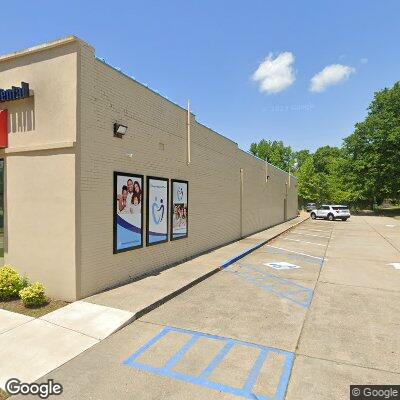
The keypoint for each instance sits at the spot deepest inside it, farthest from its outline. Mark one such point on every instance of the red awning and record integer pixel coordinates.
(3, 129)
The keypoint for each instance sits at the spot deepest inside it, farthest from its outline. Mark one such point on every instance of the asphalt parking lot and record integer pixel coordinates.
(303, 317)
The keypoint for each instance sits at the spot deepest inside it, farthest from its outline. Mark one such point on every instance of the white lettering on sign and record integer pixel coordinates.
(281, 265)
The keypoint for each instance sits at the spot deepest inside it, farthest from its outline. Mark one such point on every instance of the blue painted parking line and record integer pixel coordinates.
(203, 379)
(217, 360)
(244, 253)
(297, 294)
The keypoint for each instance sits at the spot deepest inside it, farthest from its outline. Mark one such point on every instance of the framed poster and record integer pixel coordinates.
(179, 209)
(157, 210)
(128, 211)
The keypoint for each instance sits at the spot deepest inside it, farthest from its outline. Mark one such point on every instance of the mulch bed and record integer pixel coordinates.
(17, 306)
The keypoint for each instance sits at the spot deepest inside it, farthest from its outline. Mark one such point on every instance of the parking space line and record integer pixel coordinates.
(283, 383)
(273, 284)
(148, 345)
(246, 391)
(217, 360)
(255, 371)
(180, 354)
(309, 234)
(304, 241)
(296, 252)
(294, 256)
(314, 230)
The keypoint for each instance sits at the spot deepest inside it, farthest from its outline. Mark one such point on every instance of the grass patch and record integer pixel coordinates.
(17, 306)
(393, 212)
(3, 394)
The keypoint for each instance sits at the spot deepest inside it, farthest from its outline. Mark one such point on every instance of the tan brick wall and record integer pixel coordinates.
(60, 164)
(40, 219)
(49, 116)
(40, 167)
(107, 96)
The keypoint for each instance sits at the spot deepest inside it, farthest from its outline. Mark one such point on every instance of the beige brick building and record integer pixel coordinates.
(62, 154)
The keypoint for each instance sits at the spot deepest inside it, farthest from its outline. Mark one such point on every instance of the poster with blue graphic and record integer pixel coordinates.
(128, 211)
(179, 209)
(157, 210)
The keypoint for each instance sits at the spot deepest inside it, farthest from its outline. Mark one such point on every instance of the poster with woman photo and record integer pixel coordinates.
(179, 209)
(157, 210)
(128, 211)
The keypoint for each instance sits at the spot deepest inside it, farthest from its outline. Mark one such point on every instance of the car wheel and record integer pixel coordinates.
(344, 219)
(331, 217)
(313, 216)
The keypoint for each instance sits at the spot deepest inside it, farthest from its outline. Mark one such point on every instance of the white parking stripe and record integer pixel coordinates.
(316, 230)
(296, 252)
(303, 241)
(309, 234)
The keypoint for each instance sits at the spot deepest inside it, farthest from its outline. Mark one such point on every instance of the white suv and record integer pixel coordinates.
(331, 212)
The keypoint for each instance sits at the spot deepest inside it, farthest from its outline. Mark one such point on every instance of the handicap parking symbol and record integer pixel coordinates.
(280, 265)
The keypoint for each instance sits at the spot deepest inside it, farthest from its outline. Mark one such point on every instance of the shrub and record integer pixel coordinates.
(33, 295)
(11, 282)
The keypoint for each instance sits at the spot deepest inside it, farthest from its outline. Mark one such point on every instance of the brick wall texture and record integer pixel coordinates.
(157, 140)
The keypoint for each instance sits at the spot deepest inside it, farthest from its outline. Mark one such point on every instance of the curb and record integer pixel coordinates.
(200, 279)
(257, 246)
(170, 296)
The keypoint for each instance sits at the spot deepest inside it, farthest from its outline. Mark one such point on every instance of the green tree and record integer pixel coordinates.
(306, 176)
(374, 149)
(301, 156)
(340, 189)
(365, 170)
(324, 157)
(275, 152)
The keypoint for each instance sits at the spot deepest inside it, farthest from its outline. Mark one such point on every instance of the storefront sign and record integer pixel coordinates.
(15, 93)
(157, 210)
(128, 211)
(179, 209)
(3, 129)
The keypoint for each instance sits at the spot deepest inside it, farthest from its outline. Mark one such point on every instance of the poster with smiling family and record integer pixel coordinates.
(157, 210)
(128, 211)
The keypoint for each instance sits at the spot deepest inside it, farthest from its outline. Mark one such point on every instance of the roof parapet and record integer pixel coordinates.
(42, 47)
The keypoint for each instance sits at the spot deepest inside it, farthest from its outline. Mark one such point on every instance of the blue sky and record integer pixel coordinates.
(208, 51)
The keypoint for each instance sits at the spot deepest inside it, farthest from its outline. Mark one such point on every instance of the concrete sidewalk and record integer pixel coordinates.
(55, 338)
(32, 347)
(257, 331)
(144, 295)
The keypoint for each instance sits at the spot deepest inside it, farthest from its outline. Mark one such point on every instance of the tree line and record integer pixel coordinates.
(364, 171)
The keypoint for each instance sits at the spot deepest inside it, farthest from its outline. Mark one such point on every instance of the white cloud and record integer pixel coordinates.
(275, 74)
(329, 76)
